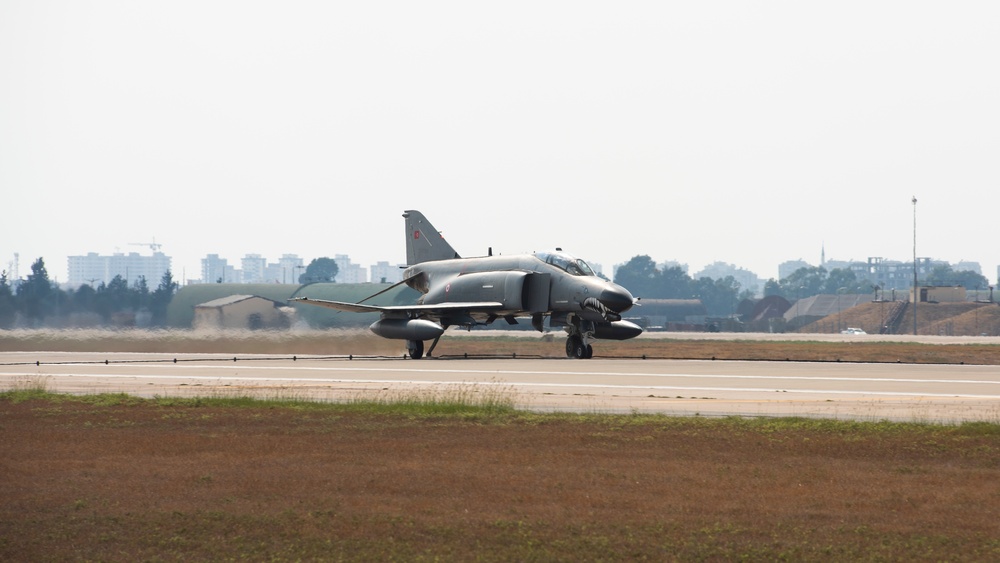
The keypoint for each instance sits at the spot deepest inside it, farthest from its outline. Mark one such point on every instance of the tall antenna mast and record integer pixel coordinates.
(916, 291)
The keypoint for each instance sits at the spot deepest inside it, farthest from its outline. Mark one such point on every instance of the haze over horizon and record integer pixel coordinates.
(744, 133)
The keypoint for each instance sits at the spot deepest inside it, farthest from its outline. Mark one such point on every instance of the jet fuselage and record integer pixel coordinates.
(525, 284)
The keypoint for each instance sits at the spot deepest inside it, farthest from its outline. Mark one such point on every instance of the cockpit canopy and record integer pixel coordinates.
(566, 263)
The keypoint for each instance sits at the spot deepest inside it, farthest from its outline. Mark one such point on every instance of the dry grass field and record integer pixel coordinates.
(947, 319)
(117, 478)
(114, 478)
(361, 342)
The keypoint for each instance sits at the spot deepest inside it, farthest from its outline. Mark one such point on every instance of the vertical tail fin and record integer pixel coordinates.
(423, 242)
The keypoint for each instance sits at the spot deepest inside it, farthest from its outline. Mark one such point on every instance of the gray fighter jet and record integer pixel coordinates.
(468, 292)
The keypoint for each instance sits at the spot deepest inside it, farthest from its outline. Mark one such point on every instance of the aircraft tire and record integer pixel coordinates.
(417, 351)
(590, 352)
(575, 347)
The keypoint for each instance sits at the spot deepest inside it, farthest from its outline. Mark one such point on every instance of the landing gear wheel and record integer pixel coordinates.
(571, 346)
(416, 349)
(575, 348)
(590, 352)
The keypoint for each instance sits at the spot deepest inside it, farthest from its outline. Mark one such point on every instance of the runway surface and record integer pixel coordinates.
(938, 393)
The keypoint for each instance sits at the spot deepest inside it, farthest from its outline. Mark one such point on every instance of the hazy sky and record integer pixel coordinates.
(746, 132)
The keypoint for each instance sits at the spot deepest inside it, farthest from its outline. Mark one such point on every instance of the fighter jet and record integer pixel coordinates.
(471, 292)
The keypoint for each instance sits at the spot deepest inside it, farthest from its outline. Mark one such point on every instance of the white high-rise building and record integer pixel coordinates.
(94, 269)
(348, 272)
(789, 267)
(91, 269)
(287, 269)
(253, 268)
(217, 270)
(383, 272)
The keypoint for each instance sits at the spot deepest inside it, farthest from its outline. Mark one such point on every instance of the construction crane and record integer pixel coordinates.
(154, 246)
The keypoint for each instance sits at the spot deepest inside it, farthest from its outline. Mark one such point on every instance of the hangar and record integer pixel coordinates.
(241, 311)
(182, 309)
(670, 314)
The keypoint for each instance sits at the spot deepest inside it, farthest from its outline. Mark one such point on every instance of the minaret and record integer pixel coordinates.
(822, 255)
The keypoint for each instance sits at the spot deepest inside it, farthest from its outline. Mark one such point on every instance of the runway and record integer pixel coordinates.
(931, 393)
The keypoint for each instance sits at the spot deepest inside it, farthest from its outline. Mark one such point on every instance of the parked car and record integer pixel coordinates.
(852, 330)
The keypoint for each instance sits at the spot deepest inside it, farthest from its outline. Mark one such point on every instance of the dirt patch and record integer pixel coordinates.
(147, 480)
(944, 319)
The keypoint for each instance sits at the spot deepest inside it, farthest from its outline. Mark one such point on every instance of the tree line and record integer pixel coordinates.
(806, 282)
(645, 279)
(37, 302)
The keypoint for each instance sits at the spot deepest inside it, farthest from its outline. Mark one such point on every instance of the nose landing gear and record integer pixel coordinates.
(577, 347)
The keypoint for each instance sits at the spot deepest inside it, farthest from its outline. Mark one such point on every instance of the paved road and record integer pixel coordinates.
(847, 391)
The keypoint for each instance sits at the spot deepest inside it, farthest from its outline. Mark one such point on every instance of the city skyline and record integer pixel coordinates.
(256, 268)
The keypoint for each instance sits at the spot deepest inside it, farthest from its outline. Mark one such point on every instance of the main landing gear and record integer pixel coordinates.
(416, 348)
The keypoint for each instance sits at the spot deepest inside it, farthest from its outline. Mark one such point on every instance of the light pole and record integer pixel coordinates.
(840, 291)
(916, 296)
(799, 298)
(977, 309)
(881, 309)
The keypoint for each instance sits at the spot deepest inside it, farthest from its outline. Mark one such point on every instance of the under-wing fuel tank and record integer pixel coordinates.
(407, 329)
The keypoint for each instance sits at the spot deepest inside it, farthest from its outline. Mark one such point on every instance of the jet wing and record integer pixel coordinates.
(360, 308)
(338, 305)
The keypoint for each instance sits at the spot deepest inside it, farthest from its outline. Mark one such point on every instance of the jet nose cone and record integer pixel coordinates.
(617, 298)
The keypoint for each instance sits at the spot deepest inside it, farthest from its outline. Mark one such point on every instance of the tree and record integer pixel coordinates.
(139, 294)
(804, 282)
(675, 284)
(84, 299)
(845, 281)
(35, 295)
(112, 297)
(944, 275)
(161, 298)
(971, 280)
(719, 296)
(773, 287)
(8, 307)
(640, 276)
(320, 270)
